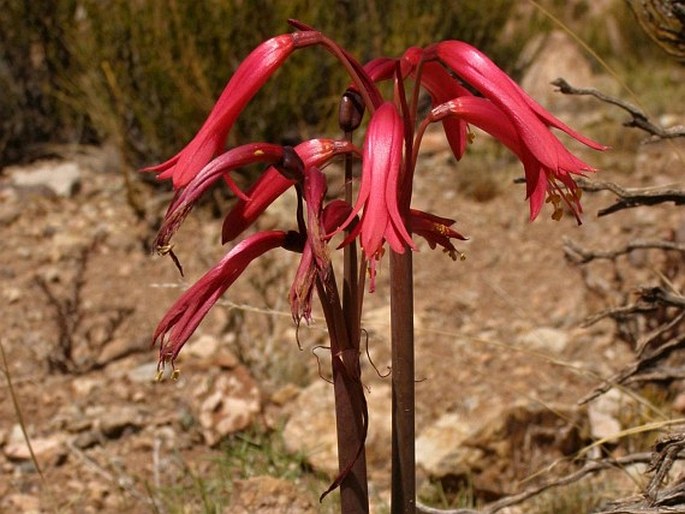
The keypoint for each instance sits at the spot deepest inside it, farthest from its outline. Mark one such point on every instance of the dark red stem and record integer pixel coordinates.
(403, 500)
(351, 414)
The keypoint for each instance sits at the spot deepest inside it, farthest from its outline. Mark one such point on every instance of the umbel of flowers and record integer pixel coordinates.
(465, 87)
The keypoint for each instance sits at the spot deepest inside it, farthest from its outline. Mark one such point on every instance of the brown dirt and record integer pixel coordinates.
(90, 252)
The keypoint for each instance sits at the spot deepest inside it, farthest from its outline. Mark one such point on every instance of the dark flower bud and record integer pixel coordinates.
(291, 165)
(350, 111)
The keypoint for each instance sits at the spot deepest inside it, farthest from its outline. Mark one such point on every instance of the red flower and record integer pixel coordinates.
(511, 115)
(378, 192)
(272, 184)
(189, 310)
(185, 199)
(436, 230)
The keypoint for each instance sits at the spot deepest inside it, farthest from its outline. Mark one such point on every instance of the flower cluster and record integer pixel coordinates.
(465, 88)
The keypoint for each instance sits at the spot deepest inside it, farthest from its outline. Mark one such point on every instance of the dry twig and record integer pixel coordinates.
(639, 118)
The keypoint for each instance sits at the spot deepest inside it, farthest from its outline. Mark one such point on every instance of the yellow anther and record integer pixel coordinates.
(553, 198)
(175, 374)
(164, 249)
(440, 229)
(159, 376)
(557, 214)
(471, 136)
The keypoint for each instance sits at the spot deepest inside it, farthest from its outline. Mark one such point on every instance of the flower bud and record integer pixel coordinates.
(351, 110)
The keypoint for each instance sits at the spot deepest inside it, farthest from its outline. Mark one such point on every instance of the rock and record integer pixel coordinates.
(310, 430)
(12, 294)
(604, 414)
(269, 495)
(495, 446)
(117, 420)
(118, 348)
(437, 444)
(88, 439)
(144, 373)
(58, 177)
(83, 386)
(228, 404)
(48, 450)
(24, 503)
(555, 55)
(285, 394)
(202, 347)
(9, 213)
(545, 340)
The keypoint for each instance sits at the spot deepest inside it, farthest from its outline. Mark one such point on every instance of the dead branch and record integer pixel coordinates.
(589, 468)
(633, 197)
(655, 498)
(638, 118)
(580, 255)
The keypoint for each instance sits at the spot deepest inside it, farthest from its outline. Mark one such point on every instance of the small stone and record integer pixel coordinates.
(679, 403)
(285, 394)
(202, 347)
(604, 414)
(269, 495)
(118, 420)
(544, 339)
(435, 444)
(88, 439)
(12, 294)
(143, 373)
(310, 430)
(60, 178)
(18, 502)
(9, 213)
(118, 348)
(230, 404)
(83, 386)
(48, 450)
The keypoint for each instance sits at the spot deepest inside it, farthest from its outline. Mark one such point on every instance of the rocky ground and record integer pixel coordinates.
(501, 357)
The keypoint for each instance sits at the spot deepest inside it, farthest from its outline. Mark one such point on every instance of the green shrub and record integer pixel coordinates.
(143, 74)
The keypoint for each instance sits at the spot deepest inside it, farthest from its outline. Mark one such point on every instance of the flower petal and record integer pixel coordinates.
(272, 184)
(251, 75)
(189, 310)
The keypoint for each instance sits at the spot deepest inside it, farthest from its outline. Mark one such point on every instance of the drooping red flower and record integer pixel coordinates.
(184, 316)
(381, 220)
(541, 180)
(250, 76)
(220, 167)
(272, 184)
(436, 230)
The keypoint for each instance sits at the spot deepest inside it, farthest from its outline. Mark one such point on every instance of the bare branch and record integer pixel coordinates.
(639, 118)
(580, 255)
(634, 197)
(589, 468)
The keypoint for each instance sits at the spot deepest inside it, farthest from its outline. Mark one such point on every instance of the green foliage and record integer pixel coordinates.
(253, 453)
(143, 74)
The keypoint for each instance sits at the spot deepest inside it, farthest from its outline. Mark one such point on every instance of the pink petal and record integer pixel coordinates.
(251, 75)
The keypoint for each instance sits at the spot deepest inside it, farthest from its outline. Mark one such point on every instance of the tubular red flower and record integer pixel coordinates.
(189, 310)
(436, 230)
(540, 178)
(185, 199)
(272, 184)
(378, 192)
(531, 119)
(250, 76)
(315, 259)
